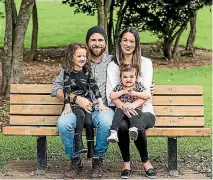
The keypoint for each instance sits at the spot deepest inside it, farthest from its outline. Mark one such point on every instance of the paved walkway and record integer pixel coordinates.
(25, 169)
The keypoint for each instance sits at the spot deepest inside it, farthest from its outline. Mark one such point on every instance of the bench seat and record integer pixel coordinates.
(179, 112)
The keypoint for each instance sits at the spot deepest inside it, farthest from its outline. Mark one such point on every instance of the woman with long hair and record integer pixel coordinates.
(128, 51)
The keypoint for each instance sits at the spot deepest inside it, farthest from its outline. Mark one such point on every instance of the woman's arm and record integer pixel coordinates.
(147, 73)
(113, 79)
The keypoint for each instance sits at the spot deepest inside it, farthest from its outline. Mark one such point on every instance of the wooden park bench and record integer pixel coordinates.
(179, 110)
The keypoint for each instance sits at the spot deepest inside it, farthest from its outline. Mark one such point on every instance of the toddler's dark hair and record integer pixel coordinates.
(128, 68)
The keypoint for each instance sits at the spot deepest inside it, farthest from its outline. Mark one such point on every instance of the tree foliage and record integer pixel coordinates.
(165, 18)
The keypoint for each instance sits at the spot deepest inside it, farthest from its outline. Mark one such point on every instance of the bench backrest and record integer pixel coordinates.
(174, 105)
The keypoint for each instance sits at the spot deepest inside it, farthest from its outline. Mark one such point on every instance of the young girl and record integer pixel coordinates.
(79, 81)
(128, 91)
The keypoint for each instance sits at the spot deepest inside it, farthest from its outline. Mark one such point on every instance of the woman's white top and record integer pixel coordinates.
(146, 76)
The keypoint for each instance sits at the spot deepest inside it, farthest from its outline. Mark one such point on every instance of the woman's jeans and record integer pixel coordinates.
(102, 121)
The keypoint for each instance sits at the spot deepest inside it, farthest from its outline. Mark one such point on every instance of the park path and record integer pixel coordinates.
(25, 169)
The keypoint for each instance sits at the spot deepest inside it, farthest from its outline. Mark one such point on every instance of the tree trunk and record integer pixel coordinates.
(101, 15)
(167, 47)
(192, 34)
(121, 12)
(180, 31)
(7, 53)
(110, 29)
(103, 7)
(34, 41)
(14, 13)
(18, 43)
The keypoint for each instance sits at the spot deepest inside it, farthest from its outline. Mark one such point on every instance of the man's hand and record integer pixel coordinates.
(152, 88)
(67, 109)
(103, 107)
(84, 103)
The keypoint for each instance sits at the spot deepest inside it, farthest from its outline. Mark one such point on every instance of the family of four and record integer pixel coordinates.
(111, 93)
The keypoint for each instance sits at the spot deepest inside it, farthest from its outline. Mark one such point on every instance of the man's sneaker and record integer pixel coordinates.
(75, 168)
(133, 133)
(113, 136)
(97, 167)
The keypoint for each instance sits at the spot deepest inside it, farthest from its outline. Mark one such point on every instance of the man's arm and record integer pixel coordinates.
(60, 94)
(58, 84)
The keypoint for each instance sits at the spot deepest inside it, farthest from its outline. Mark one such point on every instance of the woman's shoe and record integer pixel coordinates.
(151, 173)
(126, 173)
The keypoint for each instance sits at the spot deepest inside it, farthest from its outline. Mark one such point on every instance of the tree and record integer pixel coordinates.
(16, 26)
(192, 34)
(34, 40)
(165, 18)
(101, 7)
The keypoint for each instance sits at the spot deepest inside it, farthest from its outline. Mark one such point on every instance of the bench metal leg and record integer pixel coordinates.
(172, 156)
(41, 153)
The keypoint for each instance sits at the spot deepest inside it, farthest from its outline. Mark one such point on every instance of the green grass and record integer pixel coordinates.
(24, 147)
(59, 26)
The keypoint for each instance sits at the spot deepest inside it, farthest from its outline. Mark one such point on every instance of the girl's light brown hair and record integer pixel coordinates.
(68, 64)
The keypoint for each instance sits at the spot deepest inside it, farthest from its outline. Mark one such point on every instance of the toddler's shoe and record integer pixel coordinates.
(113, 136)
(133, 133)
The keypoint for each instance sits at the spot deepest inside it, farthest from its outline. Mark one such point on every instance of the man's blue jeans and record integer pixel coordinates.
(102, 121)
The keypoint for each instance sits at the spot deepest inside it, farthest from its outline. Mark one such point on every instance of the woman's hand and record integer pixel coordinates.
(67, 109)
(129, 110)
(152, 88)
(103, 107)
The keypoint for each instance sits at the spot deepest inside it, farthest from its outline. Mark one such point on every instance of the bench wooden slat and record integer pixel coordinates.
(157, 100)
(160, 121)
(179, 121)
(52, 131)
(179, 110)
(177, 100)
(31, 88)
(160, 89)
(34, 99)
(56, 110)
(178, 90)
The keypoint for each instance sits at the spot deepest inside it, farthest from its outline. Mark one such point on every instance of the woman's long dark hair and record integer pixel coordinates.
(119, 56)
(68, 64)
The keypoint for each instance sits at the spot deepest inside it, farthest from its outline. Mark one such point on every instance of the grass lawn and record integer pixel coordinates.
(59, 26)
(24, 147)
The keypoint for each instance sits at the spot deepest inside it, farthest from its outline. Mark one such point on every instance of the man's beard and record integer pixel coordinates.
(95, 54)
